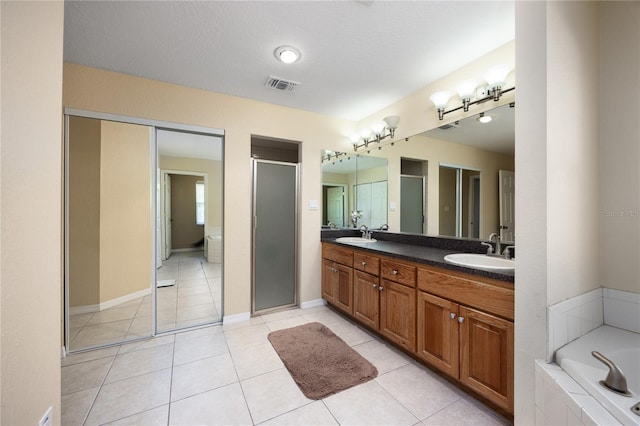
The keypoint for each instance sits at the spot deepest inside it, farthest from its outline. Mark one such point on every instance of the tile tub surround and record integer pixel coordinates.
(575, 317)
(562, 401)
(230, 374)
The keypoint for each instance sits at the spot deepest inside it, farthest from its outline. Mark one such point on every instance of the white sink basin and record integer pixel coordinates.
(355, 240)
(481, 261)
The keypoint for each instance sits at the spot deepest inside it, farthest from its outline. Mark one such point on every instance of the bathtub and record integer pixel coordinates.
(620, 346)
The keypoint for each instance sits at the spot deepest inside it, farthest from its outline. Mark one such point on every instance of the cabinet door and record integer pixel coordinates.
(486, 356)
(437, 339)
(366, 295)
(343, 295)
(398, 313)
(328, 280)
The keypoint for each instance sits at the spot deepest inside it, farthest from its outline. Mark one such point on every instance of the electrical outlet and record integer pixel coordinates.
(47, 419)
(313, 204)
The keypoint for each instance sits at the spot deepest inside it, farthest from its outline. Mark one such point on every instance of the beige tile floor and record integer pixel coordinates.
(195, 299)
(230, 375)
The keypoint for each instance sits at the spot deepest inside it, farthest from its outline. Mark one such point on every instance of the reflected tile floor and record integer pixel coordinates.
(195, 298)
(230, 375)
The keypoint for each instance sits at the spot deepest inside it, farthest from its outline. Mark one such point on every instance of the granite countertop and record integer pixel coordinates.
(422, 250)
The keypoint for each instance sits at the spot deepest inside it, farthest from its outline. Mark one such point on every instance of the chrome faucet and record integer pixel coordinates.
(332, 225)
(495, 238)
(615, 380)
(365, 232)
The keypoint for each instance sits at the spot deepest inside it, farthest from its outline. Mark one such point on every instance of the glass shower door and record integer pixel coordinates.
(275, 189)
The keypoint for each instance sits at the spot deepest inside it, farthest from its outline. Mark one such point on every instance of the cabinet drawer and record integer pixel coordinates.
(398, 272)
(496, 298)
(366, 263)
(337, 254)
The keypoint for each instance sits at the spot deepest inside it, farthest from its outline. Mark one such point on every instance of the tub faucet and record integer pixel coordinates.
(615, 380)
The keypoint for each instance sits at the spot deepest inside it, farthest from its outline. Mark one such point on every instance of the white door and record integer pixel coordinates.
(378, 204)
(167, 215)
(335, 203)
(507, 205)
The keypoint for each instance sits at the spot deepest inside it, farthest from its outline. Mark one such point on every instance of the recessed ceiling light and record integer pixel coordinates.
(484, 119)
(287, 54)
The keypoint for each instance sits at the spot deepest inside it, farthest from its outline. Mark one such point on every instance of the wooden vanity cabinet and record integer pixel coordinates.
(467, 342)
(438, 332)
(486, 356)
(386, 306)
(337, 277)
(460, 323)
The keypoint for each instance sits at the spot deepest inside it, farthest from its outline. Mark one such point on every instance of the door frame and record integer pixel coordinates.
(163, 174)
(296, 302)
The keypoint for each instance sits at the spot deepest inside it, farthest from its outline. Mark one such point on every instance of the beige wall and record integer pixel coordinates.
(125, 214)
(619, 145)
(185, 234)
(105, 91)
(84, 211)
(557, 200)
(213, 170)
(30, 210)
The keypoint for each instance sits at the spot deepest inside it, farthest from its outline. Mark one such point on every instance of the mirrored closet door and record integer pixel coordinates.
(143, 230)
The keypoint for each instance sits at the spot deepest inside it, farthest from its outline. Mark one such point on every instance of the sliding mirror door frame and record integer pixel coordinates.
(154, 126)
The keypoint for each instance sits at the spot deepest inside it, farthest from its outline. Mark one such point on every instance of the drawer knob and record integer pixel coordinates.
(460, 320)
(364, 263)
(380, 288)
(374, 285)
(394, 272)
(452, 315)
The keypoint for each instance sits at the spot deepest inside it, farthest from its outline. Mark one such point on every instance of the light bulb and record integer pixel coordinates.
(440, 99)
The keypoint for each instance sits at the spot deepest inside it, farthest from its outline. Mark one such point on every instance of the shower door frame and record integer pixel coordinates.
(296, 283)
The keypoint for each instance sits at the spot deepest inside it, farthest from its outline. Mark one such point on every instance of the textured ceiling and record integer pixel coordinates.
(357, 56)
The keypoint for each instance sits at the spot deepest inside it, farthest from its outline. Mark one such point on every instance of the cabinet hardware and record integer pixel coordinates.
(374, 285)
(460, 320)
(394, 272)
(380, 288)
(364, 263)
(452, 315)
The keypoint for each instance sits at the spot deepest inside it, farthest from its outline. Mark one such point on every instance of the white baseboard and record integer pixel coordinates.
(86, 309)
(313, 304)
(233, 319)
(183, 250)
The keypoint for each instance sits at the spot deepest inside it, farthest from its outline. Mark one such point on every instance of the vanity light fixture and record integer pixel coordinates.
(376, 133)
(327, 155)
(494, 88)
(287, 54)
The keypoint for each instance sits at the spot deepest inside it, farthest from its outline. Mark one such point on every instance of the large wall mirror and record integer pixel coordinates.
(354, 190)
(456, 180)
(143, 230)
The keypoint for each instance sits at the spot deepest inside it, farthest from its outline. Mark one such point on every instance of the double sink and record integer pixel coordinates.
(470, 260)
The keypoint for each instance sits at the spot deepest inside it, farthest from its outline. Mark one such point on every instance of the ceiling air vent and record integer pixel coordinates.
(455, 124)
(280, 84)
